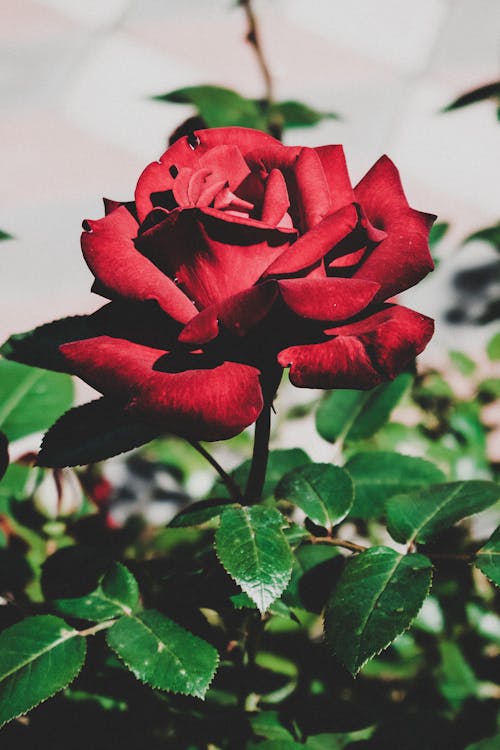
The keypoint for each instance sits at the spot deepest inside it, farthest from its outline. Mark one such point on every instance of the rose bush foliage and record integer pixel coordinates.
(239, 257)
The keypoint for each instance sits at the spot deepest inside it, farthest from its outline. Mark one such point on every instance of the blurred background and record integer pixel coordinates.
(78, 121)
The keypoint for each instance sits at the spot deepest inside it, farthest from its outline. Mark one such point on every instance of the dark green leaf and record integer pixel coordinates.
(490, 387)
(357, 415)
(489, 743)
(297, 114)
(323, 491)
(336, 741)
(200, 512)
(252, 548)
(218, 106)
(4, 454)
(117, 594)
(488, 558)
(311, 578)
(5, 235)
(491, 235)
(493, 348)
(163, 654)
(437, 233)
(379, 593)
(379, 474)
(462, 362)
(93, 432)
(31, 399)
(489, 91)
(38, 657)
(420, 515)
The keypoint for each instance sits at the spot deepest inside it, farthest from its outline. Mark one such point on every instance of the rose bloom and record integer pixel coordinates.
(239, 257)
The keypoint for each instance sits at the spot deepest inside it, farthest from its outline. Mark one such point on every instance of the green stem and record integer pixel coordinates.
(256, 479)
(231, 485)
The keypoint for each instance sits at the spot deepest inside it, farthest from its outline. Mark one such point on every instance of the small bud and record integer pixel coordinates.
(59, 494)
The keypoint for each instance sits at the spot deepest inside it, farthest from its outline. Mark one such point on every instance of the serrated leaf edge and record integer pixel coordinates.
(63, 687)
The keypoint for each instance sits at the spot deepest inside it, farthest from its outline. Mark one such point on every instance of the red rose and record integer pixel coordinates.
(240, 253)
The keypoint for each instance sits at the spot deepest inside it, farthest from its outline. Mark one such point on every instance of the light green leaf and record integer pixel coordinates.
(461, 362)
(298, 115)
(163, 654)
(31, 399)
(378, 594)
(437, 233)
(420, 515)
(488, 558)
(218, 106)
(267, 724)
(489, 743)
(38, 657)
(455, 678)
(493, 347)
(252, 548)
(117, 594)
(357, 415)
(324, 492)
(379, 474)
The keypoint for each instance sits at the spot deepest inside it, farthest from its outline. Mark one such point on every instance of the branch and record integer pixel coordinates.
(253, 37)
(231, 485)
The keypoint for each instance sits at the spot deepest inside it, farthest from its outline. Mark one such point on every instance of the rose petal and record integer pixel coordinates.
(276, 201)
(316, 243)
(238, 314)
(112, 257)
(311, 189)
(327, 299)
(194, 396)
(334, 166)
(226, 163)
(403, 258)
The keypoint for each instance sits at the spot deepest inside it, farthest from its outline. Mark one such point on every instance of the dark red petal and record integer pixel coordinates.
(340, 363)
(311, 189)
(238, 314)
(195, 398)
(403, 258)
(328, 298)
(335, 168)
(276, 201)
(113, 258)
(316, 243)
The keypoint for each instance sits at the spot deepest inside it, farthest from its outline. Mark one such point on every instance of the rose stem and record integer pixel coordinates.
(231, 485)
(253, 37)
(255, 484)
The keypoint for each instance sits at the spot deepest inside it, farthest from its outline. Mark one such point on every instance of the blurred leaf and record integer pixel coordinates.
(485, 622)
(437, 233)
(323, 491)
(163, 654)
(297, 114)
(218, 106)
(461, 362)
(379, 593)
(267, 724)
(490, 387)
(14, 483)
(455, 678)
(357, 415)
(488, 558)
(377, 475)
(93, 432)
(252, 548)
(38, 657)
(31, 399)
(337, 741)
(489, 743)
(4, 454)
(491, 235)
(489, 91)
(493, 348)
(311, 579)
(117, 594)
(420, 515)
(5, 235)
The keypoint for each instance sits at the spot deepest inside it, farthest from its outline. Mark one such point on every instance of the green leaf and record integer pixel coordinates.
(437, 233)
(488, 558)
(31, 399)
(336, 741)
(298, 115)
(218, 106)
(491, 235)
(455, 678)
(420, 515)
(490, 387)
(493, 348)
(488, 743)
(200, 512)
(267, 724)
(5, 235)
(311, 576)
(252, 548)
(357, 415)
(4, 454)
(93, 432)
(488, 91)
(279, 463)
(117, 594)
(38, 657)
(163, 654)
(323, 491)
(378, 594)
(461, 362)
(379, 474)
